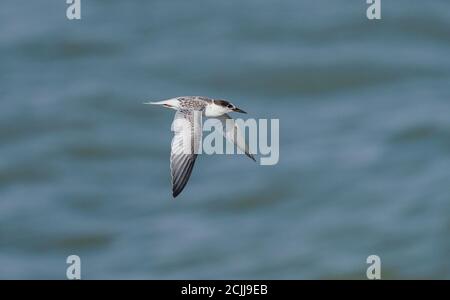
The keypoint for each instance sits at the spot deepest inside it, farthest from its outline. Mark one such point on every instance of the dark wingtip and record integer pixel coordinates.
(251, 156)
(176, 191)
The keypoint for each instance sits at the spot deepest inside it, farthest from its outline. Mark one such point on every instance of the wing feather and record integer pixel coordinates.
(234, 134)
(187, 135)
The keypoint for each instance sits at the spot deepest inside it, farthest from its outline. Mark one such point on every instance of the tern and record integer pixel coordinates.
(190, 109)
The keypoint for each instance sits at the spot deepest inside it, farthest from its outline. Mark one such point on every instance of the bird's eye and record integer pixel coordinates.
(230, 106)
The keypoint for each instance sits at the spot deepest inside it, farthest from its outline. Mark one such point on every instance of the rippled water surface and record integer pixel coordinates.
(364, 109)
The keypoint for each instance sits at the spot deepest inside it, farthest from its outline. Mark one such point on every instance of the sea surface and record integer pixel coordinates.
(364, 110)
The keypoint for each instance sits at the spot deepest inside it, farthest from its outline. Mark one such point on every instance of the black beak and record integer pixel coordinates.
(239, 110)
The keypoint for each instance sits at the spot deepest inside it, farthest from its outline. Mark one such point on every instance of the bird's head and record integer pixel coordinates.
(227, 107)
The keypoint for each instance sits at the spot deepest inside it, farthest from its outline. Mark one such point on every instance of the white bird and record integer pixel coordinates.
(191, 109)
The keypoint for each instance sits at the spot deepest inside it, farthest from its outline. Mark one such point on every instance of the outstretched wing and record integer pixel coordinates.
(234, 134)
(187, 128)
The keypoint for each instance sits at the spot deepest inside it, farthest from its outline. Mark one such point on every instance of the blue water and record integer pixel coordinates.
(364, 109)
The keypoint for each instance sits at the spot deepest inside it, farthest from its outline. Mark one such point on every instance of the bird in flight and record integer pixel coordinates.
(189, 110)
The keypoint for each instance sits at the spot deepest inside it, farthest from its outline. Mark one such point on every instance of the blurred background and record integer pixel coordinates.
(364, 109)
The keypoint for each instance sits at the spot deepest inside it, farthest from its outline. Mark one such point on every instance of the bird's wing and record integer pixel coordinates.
(234, 134)
(187, 128)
